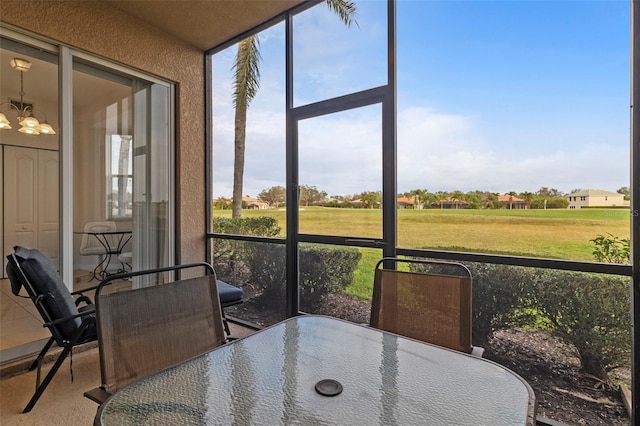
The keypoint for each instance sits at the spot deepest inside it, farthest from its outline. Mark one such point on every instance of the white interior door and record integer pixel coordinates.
(31, 200)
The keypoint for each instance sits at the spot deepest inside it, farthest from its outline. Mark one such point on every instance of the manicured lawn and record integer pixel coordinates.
(561, 234)
(362, 285)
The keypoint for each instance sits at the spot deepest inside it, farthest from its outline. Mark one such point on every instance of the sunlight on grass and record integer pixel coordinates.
(362, 285)
(556, 234)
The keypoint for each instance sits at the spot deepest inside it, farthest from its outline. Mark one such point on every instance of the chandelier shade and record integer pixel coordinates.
(4, 123)
(30, 125)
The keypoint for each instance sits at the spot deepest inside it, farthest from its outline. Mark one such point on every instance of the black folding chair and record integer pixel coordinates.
(69, 324)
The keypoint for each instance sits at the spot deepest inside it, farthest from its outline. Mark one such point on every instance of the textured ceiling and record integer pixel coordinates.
(204, 24)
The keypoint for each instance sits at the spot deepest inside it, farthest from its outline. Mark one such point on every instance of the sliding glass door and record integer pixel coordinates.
(107, 157)
(122, 173)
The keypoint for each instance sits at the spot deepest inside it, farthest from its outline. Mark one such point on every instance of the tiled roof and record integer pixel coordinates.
(592, 193)
(509, 198)
(405, 200)
(250, 200)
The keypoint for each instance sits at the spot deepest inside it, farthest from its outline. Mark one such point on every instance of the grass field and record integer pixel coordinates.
(560, 234)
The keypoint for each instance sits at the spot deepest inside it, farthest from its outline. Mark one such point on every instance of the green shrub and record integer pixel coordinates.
(550, 203)
(590, 311)
(323, 270)
(263, 226)
(612, 249)
(228, 255)
(498, 293)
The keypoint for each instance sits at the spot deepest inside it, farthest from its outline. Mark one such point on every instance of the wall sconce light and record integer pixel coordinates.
(26, 114)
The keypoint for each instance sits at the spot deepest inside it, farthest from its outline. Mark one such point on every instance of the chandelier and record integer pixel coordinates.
(26, 114)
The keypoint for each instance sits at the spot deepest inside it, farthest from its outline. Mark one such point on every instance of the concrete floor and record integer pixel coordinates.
(62, 403)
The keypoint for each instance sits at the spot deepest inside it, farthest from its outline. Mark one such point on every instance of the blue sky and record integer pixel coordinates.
(492, 95)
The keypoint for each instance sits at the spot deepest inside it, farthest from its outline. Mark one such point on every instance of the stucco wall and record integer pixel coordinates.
(97, 28)
(598, 201)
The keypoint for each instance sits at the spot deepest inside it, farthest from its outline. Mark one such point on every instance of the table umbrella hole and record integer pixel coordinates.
(328, 387)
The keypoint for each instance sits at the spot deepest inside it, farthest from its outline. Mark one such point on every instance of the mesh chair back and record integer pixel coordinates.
(431, 307)
(145, 330)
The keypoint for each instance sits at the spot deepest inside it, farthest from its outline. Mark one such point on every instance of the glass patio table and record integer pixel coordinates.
(321, 370)
(113, 243)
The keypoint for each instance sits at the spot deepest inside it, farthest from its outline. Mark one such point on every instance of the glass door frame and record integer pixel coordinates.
(64, 127)
(67, 56)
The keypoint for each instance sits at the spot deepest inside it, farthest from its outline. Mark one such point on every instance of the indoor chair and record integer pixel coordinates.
(92, 245)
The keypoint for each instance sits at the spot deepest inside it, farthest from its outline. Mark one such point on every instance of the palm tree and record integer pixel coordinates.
(511, 195)
(247, 83)
(458, 197)
(528, 198)
(440, 197)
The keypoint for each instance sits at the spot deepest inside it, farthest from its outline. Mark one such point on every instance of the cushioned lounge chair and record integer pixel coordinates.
(69, 324)
(229, 295)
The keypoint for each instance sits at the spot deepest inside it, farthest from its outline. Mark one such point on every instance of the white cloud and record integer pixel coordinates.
(342, 154)
(448, 152)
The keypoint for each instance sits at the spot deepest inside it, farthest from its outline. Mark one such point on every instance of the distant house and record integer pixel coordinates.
(253, 203)
(511, 202)
(404, 203)
(595, 198)
(450, 203)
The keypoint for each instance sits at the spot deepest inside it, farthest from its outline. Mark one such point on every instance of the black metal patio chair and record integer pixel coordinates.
(69, 323)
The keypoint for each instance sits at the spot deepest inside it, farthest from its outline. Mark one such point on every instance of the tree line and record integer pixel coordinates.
(310, 195)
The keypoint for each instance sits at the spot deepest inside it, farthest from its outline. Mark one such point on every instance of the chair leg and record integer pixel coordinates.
(94, 274)
(125, 268)
(226, 324)
(40, 388)
(42, 353)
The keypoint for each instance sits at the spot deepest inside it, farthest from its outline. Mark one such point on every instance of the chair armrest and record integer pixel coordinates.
(84, 290)
(98, 395)
(84, 298)
(70, 317)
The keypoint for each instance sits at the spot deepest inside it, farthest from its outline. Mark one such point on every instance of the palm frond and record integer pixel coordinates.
(247, 71)
(345, 9)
